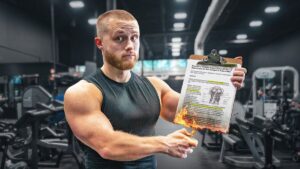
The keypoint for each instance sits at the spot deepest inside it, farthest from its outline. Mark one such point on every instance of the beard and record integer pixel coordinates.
(120, 63)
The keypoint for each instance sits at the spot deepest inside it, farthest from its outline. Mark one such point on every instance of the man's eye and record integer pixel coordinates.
(120, 39)
(134, 38)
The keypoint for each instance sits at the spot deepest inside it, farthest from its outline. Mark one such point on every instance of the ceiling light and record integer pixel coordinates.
(174, 50)
(180, 15)
(176, 45)
(241, 36)
(176, 39)
(241, 41)
(255, 23)
(92, 21)
(181, 0)
(76, 4)
(175, 54)
(223, 52)
(179, 25)
(272, 9)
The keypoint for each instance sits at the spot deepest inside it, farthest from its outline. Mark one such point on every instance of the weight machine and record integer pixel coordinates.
(262, 129)
(269, 73)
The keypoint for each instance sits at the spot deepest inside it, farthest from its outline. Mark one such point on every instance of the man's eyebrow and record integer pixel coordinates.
(119, 32)
(136, 32)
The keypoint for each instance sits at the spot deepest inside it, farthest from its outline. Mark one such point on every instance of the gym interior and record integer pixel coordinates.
(47, 46)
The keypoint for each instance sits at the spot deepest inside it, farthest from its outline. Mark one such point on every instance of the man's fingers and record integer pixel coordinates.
(191, 141)
(237, 85)
(190, 150)
(239, 72)
(181, 133)
(241, 69)
(183, 151)
(237, 79)
(184, 156)
(183, 144)
(187, 133)
(188, 137)
(245, 70)
(184, 131)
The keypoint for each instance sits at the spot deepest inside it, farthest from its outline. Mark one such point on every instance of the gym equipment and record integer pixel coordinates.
(34, 95)
(63, 143)
(2, 102)
(16, 86)
(8, 135)
(46, 143)
(269, 73)
(216, 138)
(4, 85)
(234, 139)
(63, 80)
(268, 120)
(259, 135)
(3, 91)
(292, 128)
(276, 104)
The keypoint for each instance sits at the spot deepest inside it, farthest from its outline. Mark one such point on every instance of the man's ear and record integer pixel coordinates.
(98, 42)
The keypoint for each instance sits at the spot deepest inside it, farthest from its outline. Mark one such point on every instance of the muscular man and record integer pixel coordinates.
(113, 112)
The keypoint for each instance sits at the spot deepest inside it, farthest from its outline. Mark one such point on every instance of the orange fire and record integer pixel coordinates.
(186, 119)
(183, 118)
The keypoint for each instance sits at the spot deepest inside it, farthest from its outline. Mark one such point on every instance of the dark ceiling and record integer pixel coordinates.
(156, 22)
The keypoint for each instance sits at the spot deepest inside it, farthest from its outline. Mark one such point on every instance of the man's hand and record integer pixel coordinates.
(180, 143)
(238, 77)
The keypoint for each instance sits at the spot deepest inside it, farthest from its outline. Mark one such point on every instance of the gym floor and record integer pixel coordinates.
(200, 158)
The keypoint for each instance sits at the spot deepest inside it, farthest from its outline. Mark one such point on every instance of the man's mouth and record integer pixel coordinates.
(128, 56)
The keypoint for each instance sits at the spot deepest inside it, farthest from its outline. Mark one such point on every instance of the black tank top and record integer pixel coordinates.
(132, 107)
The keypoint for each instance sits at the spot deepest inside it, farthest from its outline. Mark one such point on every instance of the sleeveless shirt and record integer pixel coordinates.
(131, 107)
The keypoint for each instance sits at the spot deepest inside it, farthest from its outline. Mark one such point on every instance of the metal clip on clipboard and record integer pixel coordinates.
(215, 59)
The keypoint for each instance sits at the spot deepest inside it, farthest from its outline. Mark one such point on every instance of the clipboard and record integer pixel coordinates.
(201, 105)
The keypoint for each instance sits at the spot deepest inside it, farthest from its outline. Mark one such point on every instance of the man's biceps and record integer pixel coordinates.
(172, 94)
(80, 108)
(88, 123)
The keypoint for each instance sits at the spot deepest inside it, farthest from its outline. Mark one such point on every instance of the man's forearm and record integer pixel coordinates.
(128, 147)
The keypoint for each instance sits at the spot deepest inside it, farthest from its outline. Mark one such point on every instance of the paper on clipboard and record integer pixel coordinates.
(207, 94)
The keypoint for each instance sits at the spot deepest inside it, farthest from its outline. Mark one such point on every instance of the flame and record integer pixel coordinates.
(186, 119)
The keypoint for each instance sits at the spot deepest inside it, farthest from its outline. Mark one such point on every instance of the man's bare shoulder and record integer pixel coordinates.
(157, 82)
(82, 88)
(154, 80)
(82, 92)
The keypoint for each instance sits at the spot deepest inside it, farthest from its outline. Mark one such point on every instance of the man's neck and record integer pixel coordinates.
(120, 76)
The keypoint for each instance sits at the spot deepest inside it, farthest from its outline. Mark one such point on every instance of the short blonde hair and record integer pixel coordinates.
(102, 21)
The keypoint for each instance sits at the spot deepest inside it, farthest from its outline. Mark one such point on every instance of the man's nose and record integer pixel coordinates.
(129, 45)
